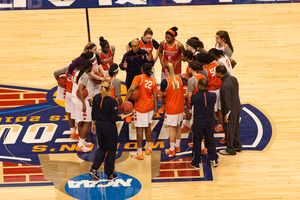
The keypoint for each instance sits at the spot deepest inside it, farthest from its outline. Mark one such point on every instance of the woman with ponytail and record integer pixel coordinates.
(104, 117)
(172, 86)
(115, 83)
(106, 54)
(170, 51)
(222, 59)
(145, 108)
(223, 43)
(81, 111)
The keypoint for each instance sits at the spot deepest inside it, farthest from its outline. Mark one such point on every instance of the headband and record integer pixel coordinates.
(116, 69)
(91, 46)
(103, 43)
(192, 45)
(171, 31)
(94, 55)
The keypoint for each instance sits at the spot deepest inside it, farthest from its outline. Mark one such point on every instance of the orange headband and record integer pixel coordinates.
(172, 32)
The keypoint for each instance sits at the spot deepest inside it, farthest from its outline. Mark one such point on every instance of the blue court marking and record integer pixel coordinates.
(25, 184)
(25, 109)
(23, 88)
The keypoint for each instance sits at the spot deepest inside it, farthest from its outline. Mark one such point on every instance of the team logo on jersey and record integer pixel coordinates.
(83, 187)
(41, 126)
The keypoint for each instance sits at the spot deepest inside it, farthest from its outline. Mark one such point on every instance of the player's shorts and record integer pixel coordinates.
(218, 101)
(173, 120)
(77, 113)
(61, 93)
(68, 102)
(93, 89)
(143, 119)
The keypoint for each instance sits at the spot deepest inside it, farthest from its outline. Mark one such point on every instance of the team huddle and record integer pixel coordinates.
(207, 89)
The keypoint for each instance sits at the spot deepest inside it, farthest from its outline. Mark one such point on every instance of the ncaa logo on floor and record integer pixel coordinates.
(83, 187)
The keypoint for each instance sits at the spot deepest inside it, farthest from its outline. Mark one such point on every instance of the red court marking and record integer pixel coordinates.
(187, 159)
(171, 160)
(27, 165)
(9, 96)
(188, 173)
(37, 178)
(34, 95)
(14, 178)
(166, 174)
(42, 101)
(29, 170)
(8, 164)
(17, 103)
(175, 166)
(11, 91)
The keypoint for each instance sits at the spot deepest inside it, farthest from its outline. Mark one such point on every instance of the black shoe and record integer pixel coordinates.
(196, 166)
(238, 149)
(93, 174)
(112, 177)
(215, 163)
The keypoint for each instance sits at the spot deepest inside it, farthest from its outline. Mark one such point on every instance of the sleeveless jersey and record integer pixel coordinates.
(148, 47)
(69, 81)
(225, 60)
(197, 77)
(174, 100)
(172, 54)
(146, 86)
(75, 85)
(214, 82)
(106, 60)
(112, 90)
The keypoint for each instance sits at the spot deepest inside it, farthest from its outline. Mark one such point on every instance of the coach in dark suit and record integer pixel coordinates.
(204, 123)
(231, 109)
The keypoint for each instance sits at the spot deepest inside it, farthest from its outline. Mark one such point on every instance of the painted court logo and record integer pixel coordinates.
(32, 123)
(83, 187)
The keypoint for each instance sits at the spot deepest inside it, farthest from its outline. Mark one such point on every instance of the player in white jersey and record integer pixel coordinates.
(223, 43)
(81, 110)
(220, 57)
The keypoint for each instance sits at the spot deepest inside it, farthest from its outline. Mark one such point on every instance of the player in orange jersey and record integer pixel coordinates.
(172, 86)
(115, 88)
(214, 83)
(170, 51)
(223, 43)
(145, 107)
(222, 58)
(106, 54)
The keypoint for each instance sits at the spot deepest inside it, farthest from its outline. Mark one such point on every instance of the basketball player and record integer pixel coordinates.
(214, 84)
(115, 88)
(223, 43)
(172, 86)
(170, 51)
(81, 110)
(70, 71)
(145, 108)
(222, 58)
(106, 54)
(192, 88)
(105, 115)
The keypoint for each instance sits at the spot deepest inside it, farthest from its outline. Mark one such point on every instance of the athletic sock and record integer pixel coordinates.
(172, 146)
(177, 142)
(188, 123)
(72, 130)
(80, 142)
(139, 150)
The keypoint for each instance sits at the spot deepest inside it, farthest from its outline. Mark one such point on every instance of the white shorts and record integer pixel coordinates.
(93, 89)
(77, 113)
(68, 102)
(61, 93)
(218, 101)
(142, 119)
(173, 120)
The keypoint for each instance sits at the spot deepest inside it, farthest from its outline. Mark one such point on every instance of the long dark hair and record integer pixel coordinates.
(147, 67)
(224, 35)
(85, 65)
(112, 69)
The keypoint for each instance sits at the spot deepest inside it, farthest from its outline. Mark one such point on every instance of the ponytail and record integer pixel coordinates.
(170, 68)
(105, 88)
(113, 69)
(224, 35)
(147, 67)
(85, 65)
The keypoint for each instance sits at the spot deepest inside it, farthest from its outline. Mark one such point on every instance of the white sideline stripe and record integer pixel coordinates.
(225, 1)
(15, 158)
(259, 128)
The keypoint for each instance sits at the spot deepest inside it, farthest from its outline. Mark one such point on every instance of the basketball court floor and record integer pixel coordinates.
(39, 161)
